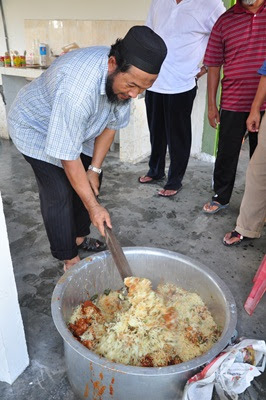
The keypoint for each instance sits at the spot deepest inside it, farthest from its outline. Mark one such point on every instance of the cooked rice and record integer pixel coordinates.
(144, 327)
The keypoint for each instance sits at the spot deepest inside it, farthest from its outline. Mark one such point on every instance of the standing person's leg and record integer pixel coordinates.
(177, 110)
(252, 214)
(155, 115)
(56, 200)
(232, 130)
(253, 139)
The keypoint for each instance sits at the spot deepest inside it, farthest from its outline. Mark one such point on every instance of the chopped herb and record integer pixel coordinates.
(107, 291)
(94, 297)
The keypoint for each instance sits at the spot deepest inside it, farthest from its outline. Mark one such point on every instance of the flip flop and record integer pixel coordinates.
(234, 234)
(94, 245)
(160, 193)
(219, 207)
(152, 180)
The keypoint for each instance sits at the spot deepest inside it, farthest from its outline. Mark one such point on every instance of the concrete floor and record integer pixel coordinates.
(140, 218)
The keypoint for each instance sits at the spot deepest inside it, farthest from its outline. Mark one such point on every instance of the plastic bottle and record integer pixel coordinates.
(7, 60)
(23, 61)
(11, 54)
(36, 51)
(30, 58)
(16, 59)
(43, 54)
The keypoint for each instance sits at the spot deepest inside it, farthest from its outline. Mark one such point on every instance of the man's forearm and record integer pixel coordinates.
(101, 147)
(77, 177)
(213, 82)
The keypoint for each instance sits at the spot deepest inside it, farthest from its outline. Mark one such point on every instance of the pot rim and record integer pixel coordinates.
(227, 334)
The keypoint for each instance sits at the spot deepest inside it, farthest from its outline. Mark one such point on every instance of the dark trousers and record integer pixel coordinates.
(169, 120)
(232, 131)
(64, 215)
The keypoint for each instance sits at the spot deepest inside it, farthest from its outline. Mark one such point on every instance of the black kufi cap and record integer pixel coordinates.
(144, 49)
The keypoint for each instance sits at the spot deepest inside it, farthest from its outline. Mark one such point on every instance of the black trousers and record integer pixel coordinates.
(232, 131)
(64, 215)
(169, 120)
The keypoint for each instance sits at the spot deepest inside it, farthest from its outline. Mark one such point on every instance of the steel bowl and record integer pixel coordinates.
(95, 378)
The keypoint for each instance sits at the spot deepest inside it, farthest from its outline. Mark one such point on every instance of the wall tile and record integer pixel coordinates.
(58, 33)
(134, 139)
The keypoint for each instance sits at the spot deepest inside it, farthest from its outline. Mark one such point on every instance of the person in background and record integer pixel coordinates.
(252, 214)
(64, 123)
(237, 43)
(185, 27)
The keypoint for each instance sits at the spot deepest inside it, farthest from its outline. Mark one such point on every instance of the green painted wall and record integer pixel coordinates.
(210, 135)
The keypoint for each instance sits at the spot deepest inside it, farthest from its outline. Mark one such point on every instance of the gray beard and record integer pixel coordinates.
(248, 2)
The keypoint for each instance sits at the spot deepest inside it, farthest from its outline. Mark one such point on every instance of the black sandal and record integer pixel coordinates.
(94, 245)
(232, 235)
(152, 180)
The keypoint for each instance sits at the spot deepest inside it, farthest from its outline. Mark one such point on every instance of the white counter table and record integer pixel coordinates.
(29, 73)
(13, 79)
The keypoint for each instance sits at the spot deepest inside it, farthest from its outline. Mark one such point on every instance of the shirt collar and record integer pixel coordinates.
(104, 77)
(181, 2)
(238, 9)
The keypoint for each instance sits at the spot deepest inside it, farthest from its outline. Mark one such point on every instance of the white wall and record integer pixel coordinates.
(2, 37)
(3, 122)
(16, 11)
(197, 117)
(13, 350)
(135, 137)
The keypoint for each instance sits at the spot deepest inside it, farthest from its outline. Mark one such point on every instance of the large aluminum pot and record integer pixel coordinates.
(95, 378)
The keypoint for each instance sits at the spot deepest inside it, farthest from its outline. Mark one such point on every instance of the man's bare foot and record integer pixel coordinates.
(79, 240)
(213, 207)
(145, 179)
(169, 192)
(148, 179)
(70, 263)
(232, 238)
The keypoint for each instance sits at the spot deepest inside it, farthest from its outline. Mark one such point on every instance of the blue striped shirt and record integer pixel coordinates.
(58, 115)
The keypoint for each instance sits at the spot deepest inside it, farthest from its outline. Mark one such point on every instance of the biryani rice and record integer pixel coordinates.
(144, 327)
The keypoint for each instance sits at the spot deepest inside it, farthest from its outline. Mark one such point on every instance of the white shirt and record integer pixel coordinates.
(185, 28)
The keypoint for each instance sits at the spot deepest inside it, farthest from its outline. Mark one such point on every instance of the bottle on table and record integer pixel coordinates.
(43, 55)
(7, 59)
